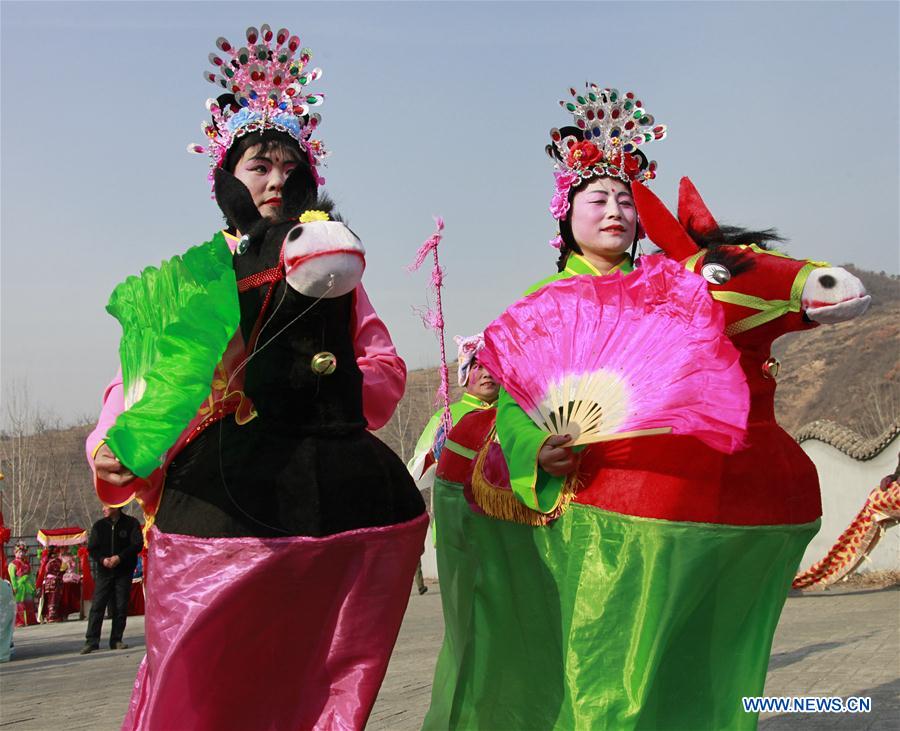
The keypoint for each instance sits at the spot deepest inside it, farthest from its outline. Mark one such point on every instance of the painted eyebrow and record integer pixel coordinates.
(619, 195)
(263, 158)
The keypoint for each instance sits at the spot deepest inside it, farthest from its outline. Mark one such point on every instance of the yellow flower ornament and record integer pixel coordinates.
(310, 216)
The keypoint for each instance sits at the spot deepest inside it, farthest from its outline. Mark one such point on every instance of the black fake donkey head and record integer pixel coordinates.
(321, 257)
(295, 281)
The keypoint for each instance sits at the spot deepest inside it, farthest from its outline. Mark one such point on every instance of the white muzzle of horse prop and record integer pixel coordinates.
(832, 295)
(323, 259)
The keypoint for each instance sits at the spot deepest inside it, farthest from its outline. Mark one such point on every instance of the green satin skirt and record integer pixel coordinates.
(605, 621)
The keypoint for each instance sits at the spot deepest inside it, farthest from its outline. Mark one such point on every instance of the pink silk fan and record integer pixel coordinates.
(618, 356)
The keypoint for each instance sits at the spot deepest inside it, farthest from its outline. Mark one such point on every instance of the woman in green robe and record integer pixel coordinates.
(623, 604)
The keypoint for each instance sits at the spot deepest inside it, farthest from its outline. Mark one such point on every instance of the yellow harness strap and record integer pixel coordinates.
(768, 309)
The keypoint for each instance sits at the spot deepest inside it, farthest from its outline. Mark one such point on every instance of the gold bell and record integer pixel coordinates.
(323, 364)
(770, 368)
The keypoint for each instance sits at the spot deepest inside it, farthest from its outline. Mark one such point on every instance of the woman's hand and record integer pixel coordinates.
(109, 469)
(554, 459)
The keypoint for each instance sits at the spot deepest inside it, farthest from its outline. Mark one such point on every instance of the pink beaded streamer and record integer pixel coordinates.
(433, 318)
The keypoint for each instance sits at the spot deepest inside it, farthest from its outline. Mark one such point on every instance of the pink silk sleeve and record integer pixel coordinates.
(113, 405)
(384, 372)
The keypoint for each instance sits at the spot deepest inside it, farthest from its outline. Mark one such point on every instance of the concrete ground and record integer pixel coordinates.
(839, 643)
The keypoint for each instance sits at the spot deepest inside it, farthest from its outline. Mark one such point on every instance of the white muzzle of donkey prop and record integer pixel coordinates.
(323, 259)
(832, 294)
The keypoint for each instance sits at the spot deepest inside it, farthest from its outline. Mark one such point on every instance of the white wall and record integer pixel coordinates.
(846, 484)
(429, 558)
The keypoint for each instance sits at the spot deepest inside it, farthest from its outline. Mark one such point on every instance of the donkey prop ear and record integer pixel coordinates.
(235, 201)
(299, 193)
(661, 226)
(692, 211)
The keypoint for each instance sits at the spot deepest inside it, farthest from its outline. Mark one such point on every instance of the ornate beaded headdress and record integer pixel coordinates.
(267, 81)
(467, 351)
(613, 126)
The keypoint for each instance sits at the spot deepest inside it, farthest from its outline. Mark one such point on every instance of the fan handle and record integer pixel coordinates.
(595, 438)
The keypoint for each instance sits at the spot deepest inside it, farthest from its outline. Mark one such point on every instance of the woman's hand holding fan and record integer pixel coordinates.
(618, 356)
(555, 457)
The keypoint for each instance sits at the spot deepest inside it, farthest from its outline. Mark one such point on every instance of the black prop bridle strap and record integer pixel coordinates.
(268, 276)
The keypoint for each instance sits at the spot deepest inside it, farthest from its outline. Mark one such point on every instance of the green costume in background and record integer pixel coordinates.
(22, 583)
(458, 409)
(22, 586)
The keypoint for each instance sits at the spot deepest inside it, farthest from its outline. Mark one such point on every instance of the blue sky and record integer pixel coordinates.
(784, 114)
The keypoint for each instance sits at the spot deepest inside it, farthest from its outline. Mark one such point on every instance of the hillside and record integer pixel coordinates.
(849, 372)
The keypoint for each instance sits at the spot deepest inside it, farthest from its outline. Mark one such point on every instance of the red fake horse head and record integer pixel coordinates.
(765, 293)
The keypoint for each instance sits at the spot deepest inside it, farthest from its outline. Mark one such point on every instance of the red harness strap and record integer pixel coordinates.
(267, 276)
(260, 278)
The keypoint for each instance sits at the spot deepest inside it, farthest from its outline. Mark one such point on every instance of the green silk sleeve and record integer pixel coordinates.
(176, 320)
(426, 440)
(521, 440)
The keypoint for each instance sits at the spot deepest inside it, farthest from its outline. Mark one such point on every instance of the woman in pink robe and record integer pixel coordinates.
(276, 488)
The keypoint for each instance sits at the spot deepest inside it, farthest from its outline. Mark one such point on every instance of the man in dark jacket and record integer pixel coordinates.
(114, 545)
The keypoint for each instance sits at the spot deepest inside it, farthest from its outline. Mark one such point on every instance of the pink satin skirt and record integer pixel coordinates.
(271, 633)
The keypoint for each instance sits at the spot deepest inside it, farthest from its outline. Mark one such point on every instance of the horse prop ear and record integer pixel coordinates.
(661, 226)
(692, 211)
(235, 201)
(298, 193)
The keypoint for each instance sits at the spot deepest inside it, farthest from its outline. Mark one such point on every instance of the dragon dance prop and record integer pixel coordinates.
(880, 512)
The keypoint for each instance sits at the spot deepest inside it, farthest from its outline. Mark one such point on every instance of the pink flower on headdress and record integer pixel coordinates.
(556, 242)
(559, 205)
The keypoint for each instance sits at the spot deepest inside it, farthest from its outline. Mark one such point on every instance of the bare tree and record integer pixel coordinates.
(71, 487)
(89, 509)
(415, 408)
(398, 429)
(24, 455)
(881, 408)
(63, 490)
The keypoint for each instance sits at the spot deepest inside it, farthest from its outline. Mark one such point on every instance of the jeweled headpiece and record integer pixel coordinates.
(611, 126)
(268, 84)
